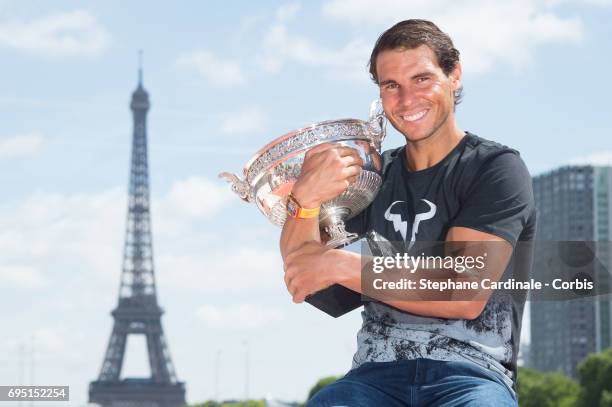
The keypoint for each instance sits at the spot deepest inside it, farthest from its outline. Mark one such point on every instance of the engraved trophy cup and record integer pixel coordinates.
(269, 177)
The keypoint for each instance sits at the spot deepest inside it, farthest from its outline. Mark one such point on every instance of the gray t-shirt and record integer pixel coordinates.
(480, 185)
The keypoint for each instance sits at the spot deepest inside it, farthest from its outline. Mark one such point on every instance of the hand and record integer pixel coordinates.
(307, 270)
(327, 171)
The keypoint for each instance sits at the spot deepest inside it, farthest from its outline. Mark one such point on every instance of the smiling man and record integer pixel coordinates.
(445, 184)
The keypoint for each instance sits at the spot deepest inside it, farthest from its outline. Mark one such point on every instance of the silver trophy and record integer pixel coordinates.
(269, 176)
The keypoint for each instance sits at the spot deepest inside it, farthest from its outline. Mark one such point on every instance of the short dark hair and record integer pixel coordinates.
(410, 34)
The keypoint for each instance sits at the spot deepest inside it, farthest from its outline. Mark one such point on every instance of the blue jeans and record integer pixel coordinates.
(419, 382)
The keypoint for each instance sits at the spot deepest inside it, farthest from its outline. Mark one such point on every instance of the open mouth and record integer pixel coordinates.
(415, 117)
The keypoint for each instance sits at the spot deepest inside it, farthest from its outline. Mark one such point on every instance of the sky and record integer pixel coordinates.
(224, 79)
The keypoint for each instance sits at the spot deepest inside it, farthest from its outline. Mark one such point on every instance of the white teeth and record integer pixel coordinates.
(414, 117)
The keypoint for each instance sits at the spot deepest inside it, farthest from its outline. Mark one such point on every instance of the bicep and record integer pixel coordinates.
(495, 250)
(477, 243)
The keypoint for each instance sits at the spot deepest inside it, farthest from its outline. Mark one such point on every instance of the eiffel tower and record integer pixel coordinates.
(138, 311)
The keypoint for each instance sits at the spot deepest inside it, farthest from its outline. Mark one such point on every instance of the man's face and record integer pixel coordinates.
(416, 94)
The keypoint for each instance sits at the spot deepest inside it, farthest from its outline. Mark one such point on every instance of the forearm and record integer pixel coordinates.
(296, 232)
(347, 271)
(327, 171)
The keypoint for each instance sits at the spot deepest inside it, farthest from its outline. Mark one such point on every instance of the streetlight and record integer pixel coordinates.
(246, 369)
(217, 359)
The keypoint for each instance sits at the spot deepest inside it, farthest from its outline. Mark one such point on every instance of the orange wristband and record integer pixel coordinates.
(296, 210)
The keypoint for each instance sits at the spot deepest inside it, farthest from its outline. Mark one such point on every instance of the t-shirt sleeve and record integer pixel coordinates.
(499, 200)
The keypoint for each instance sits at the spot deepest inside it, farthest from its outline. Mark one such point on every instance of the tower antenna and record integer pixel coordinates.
(139, 67)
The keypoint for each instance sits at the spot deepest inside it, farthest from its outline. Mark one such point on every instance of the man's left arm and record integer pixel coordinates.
(495, 210)
(348, 262)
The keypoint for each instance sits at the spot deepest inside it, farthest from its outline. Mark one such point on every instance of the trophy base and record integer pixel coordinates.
(335, 300)
(338, 235)
(339, 241)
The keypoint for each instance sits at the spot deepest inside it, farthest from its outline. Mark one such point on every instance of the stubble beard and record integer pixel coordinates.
(431, 133)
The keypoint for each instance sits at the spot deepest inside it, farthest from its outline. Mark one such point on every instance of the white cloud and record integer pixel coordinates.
(248, 24)
(50, 339)
(486, 33)
(21, 276)
(242, 316)
(48, 344)
(54, 233)
(195, 197)
(280, 46)
(250, 119)
(215, 70)
(236, 269)
(597, 158)
(69, 33)
(603, 3)
(82, 234)
(20, 146)
(288, 11)
(301, 49)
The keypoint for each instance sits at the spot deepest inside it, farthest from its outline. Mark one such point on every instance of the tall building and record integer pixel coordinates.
(137, 311)
(574, 203)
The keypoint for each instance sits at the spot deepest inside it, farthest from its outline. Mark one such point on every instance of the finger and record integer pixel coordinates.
(320, 148)
(298, 296)
(344, 151)
(352, 180)
(352, 171)
(294, 289)
(349, 160)
(289, 275)
(301, 295)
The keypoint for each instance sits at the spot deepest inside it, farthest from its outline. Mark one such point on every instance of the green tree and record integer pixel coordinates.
(595, 376)
(320, 384)
(208, 403)
(606, 399)
(537, 389)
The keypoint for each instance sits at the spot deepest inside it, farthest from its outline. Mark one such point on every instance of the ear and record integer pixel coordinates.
(455, 77)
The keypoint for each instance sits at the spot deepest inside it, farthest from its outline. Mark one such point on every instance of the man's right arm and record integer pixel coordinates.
(328, 169)
(298, 231)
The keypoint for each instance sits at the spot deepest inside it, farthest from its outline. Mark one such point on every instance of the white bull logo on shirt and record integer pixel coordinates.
(400, 225)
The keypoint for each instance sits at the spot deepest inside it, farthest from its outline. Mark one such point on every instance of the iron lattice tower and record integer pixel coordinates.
(137, 311)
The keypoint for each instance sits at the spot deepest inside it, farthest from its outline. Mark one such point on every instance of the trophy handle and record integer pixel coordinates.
(378, 122)
(240, 187)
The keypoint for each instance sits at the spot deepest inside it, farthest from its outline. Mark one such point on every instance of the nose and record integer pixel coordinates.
(406, 97)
